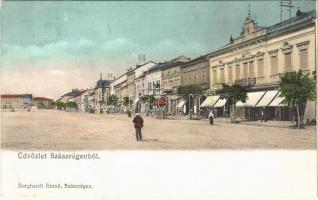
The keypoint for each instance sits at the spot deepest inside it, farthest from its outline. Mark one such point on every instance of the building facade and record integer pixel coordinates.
(43, 102)
(16, 101)
(196, 72)
(102, 92)
(171, 81)
(261, 55)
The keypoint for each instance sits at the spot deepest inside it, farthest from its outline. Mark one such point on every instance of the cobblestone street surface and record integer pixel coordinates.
(59, 130)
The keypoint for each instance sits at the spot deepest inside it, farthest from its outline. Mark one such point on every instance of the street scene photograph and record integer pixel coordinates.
(139, 75)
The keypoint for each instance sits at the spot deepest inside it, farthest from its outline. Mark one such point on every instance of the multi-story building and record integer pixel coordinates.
(16, 101)
(102, 92)
(171, 81)
(84, 103)
(119, 88)
(154, 76)
(131, 78)
(65, 97)
(131, 88)
(196, 72)
(141, 85)
(142, 71)
(154, 79)
(91, 101)
(43, 102)
(260, 55)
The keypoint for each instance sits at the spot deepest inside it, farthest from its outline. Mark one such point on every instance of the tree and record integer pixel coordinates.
(148, 98)
(189, 91)
(71, 104)
(233, 94)
(128, 101)
(297, 88)
(186, 90)
(59, 104)
(112, 99)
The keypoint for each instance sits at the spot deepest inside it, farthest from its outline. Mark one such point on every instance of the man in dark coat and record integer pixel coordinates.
(139, 123)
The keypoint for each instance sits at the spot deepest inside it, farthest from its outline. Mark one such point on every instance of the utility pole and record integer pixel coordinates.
(285, 4)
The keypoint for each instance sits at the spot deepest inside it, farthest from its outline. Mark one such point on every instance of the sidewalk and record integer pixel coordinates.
(279, 124)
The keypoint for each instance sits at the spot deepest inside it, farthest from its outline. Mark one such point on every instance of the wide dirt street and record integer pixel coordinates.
(59, 130)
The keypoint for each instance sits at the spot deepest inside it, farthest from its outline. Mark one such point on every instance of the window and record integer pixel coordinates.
(237, 70)
(214, 77)
(303, 58)
(260, 64)
(222, 79)
(251, 69)
(288, 66)
(274, 64)
(245, 69)
(230, 73)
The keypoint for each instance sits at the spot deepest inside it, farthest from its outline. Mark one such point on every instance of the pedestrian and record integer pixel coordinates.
(262, 114)
(129, 113)
(139, 123)
(211, 117)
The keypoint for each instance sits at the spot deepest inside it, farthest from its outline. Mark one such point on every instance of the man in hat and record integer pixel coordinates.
(139, 123)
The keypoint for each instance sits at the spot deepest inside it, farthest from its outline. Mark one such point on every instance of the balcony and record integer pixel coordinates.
(245, 82)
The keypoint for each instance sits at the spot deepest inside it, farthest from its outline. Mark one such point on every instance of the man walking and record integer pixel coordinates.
(139, 123)
(211, 117)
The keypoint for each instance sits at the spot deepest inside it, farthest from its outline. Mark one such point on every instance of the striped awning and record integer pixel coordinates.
(267, 98)
(277, 101)
(252, 99)
(220, 103)
(210, 101)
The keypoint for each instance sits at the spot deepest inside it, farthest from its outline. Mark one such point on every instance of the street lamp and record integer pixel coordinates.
(190, 95)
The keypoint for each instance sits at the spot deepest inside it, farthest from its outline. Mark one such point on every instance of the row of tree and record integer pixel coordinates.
(62, 106)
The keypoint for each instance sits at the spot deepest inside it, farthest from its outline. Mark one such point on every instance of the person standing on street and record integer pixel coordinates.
(211, 117)
(139, 123)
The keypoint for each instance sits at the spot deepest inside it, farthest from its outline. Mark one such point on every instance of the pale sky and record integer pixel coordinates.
(50, 47)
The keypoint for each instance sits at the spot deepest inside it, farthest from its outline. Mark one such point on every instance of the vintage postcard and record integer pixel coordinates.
(158, 99)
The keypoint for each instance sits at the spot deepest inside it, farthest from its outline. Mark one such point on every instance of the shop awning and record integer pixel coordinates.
(277, 101)
(267, 98)
(210, 101)
(220, 103)
(252, 99)
(181, 104)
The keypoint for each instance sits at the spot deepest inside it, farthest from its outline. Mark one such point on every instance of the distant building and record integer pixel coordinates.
(154, 75)
(84, 100)
(77, 99)
(16, 101)
(43, 102)
(141, 85)
(119, 88)
(131, 78)
(65, 97)
(91, 101)
(102, 92)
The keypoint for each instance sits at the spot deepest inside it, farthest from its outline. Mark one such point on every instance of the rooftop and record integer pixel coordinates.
(41, 99)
